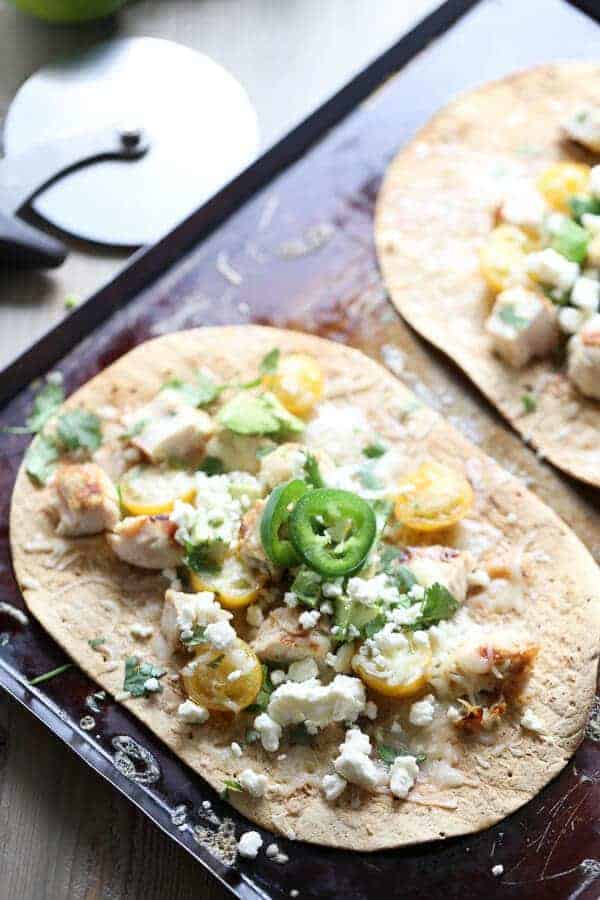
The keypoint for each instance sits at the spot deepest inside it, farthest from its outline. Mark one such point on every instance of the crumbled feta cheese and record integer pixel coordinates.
(253, 782)
(524, 207)
(236, 749)
(584, 127)
(570, 319)
(333, 589)
(254, 615)
(369, 590)
(139, 630)
(403, 775)
(182, 612)
(421, 712)
(354, 763)
(272, 851)
(235, 675)
(338, 428)
(341, 660)
(303, 670)
(479, 578)
(595, 176)
(371, 710)
(586, 294)
(326, 608)
(333, 786)
(531, 722)
(342, 700)
(192, 713)
(309, 619)
(220, 634)
(552, 268)
(152, 685)
(497, 870)
(269, 730)
(290, 599)
(278, 676)
(249, 844)
(522, 324)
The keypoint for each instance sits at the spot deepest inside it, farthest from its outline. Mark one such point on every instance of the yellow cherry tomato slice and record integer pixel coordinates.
(560, 181)
(433, 497)
(151, 490)
(399, 673)
(206, 678)
(234, 584)
(502, 258)
(297, 383)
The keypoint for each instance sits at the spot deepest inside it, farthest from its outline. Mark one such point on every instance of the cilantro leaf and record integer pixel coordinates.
(79, 428)
(198, 558)
(45, 404)
(212, 465)
(307, 587)
(40, 459)
(264, 695)
(529, 403)
(199, 392)
(137, 674)
(389, 754)
(439, 604)
(312, 472)
(374, 450)
(509, 316)
(270, 362)
(230, 784)
(375, 625)
(135, 429)
(196, 637)
(96, 642)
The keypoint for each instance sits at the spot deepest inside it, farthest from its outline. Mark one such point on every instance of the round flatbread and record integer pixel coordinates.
(84, 592)
(435, 210)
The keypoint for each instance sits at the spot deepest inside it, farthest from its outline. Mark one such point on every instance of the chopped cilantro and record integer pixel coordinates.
(374, 625)
(39, 679)
(198, 558)
(509, 316)
(40, 459)
(580, 205)
(438, 604)
(96, 642)
(529, 403)
(45, 404)
(137, 674)
(196, 637)
(298, 734)
(375, 450)
(270, 362)
(388, 754)
(230, 784)
(135, 429)
(212, 465)
(264, 695)
(78, 429)
(252, 735)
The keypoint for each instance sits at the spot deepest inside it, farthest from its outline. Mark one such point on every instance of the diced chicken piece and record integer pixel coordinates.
(181, 612)
(493, 668)
(116, 458)
(169, 428)
(478, 718)
(282, 464)
(85, 500)
(250, 548)
(238, 452)
(445, 565)
(586, 294)
(282, 639)
(524, 206)
(584, 358)
(584, 128)
(523, 325)
(147, 542)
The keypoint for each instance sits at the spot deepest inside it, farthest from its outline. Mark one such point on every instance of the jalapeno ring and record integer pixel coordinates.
(332, 530)
(275, 522)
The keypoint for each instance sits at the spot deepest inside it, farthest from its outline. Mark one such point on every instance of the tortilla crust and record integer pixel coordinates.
(95, 594)
(435, 210)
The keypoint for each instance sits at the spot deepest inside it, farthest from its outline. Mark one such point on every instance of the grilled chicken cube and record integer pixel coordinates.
(147, 541)
(250, 548)
(474, 718)
(584, 358)
(495, 668)
(169, 428)
(85, 500)
(182, 613)
(523, 326)
(281, 639)
(444, 565)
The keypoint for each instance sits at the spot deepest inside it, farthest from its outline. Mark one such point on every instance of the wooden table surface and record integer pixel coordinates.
(64, 833)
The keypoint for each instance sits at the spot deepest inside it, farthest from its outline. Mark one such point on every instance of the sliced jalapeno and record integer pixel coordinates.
(332, 530)
(274, 525)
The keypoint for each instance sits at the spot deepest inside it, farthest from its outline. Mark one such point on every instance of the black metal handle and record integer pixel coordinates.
(25, 246)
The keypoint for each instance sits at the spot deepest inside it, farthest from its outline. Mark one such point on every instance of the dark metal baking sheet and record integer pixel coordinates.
(302, 246)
